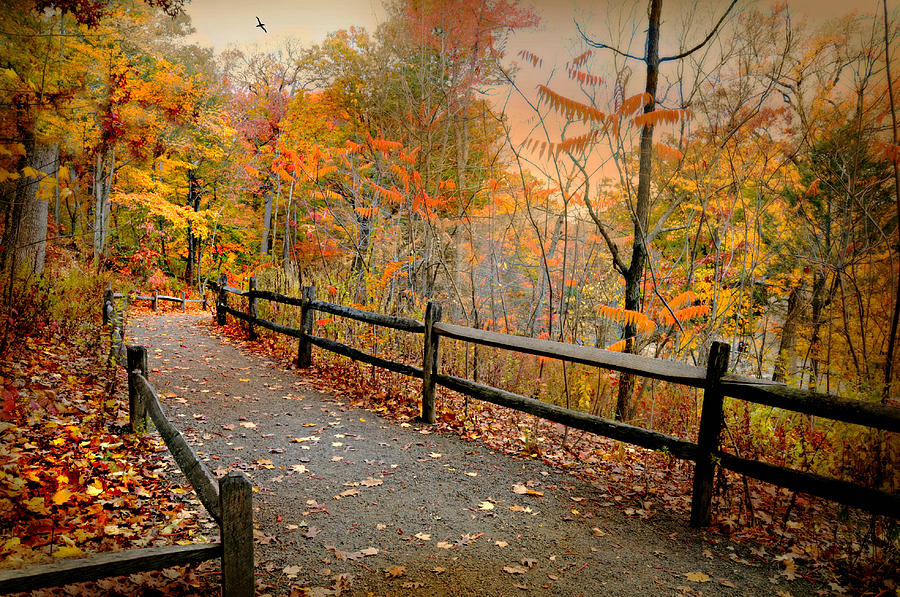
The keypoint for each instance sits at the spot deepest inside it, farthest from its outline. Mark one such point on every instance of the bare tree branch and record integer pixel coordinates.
(602, 46)
(705, 40)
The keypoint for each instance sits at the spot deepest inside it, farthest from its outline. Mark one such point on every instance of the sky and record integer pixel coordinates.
(220, 23)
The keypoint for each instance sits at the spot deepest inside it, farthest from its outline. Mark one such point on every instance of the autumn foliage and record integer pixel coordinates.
(435, 159)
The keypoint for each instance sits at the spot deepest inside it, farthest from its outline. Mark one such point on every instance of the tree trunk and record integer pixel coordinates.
(267, 225)
(31, 248)
(788, 337)
(103, 178)
(635, 272)
(193, 256)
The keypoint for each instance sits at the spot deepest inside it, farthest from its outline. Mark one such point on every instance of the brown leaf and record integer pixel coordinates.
(515, 569)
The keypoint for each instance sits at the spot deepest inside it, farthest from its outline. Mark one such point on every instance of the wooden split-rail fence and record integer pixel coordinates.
(714, 380)
(228, 500)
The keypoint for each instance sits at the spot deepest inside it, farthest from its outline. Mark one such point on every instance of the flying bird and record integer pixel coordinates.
(261, 25)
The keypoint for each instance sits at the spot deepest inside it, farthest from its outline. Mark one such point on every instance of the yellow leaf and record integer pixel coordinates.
(697, 576)
(30, 172)
(67, 551)
(62, 496)
(7, 175)
(95, 488)
(37, 505)
(485, 506)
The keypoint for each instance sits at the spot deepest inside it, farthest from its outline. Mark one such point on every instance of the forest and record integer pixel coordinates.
(692, 173)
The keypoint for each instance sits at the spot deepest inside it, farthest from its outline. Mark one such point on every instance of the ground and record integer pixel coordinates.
(347, 502)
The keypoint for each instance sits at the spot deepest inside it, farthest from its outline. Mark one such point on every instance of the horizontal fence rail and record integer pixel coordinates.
(713, 380)
(102, 565)
(672, 371)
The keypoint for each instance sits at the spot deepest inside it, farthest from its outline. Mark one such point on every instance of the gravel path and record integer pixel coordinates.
(352, 503)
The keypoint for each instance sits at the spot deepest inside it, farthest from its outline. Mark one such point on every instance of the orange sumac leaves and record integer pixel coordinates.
(532, 58)
(570, 108)
(617, 346)
(583, 77)
(687, 313)
(668, 154)
(582, 58)
(661, 117)
(577, 144)
(366, 212)
(628, 317)
(634, 103)
(682, 300)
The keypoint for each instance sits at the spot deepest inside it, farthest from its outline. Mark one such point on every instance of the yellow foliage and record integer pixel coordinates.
(7, 175)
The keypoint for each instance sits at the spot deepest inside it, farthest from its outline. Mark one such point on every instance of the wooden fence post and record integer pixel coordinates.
(708, 436)
(155, 300)
(107, 301)
(304, 348)
(137, 415)
(251, 309)
(430, 361)
(236, 507)
(222, 300)
(182, 300)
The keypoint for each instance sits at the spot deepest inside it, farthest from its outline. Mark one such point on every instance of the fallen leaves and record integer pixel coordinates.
(520, 489)
(697, 576)
(72, 481)
(526, 565)
(355, 555)
(524, 509)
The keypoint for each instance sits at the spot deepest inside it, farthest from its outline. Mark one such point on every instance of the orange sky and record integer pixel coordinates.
(220, 23)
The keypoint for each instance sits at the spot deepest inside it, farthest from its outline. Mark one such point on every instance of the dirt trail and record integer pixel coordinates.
(347, 500)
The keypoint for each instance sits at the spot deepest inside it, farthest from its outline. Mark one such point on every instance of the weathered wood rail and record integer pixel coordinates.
(228, 500)
(156, 297)
(714, 380)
